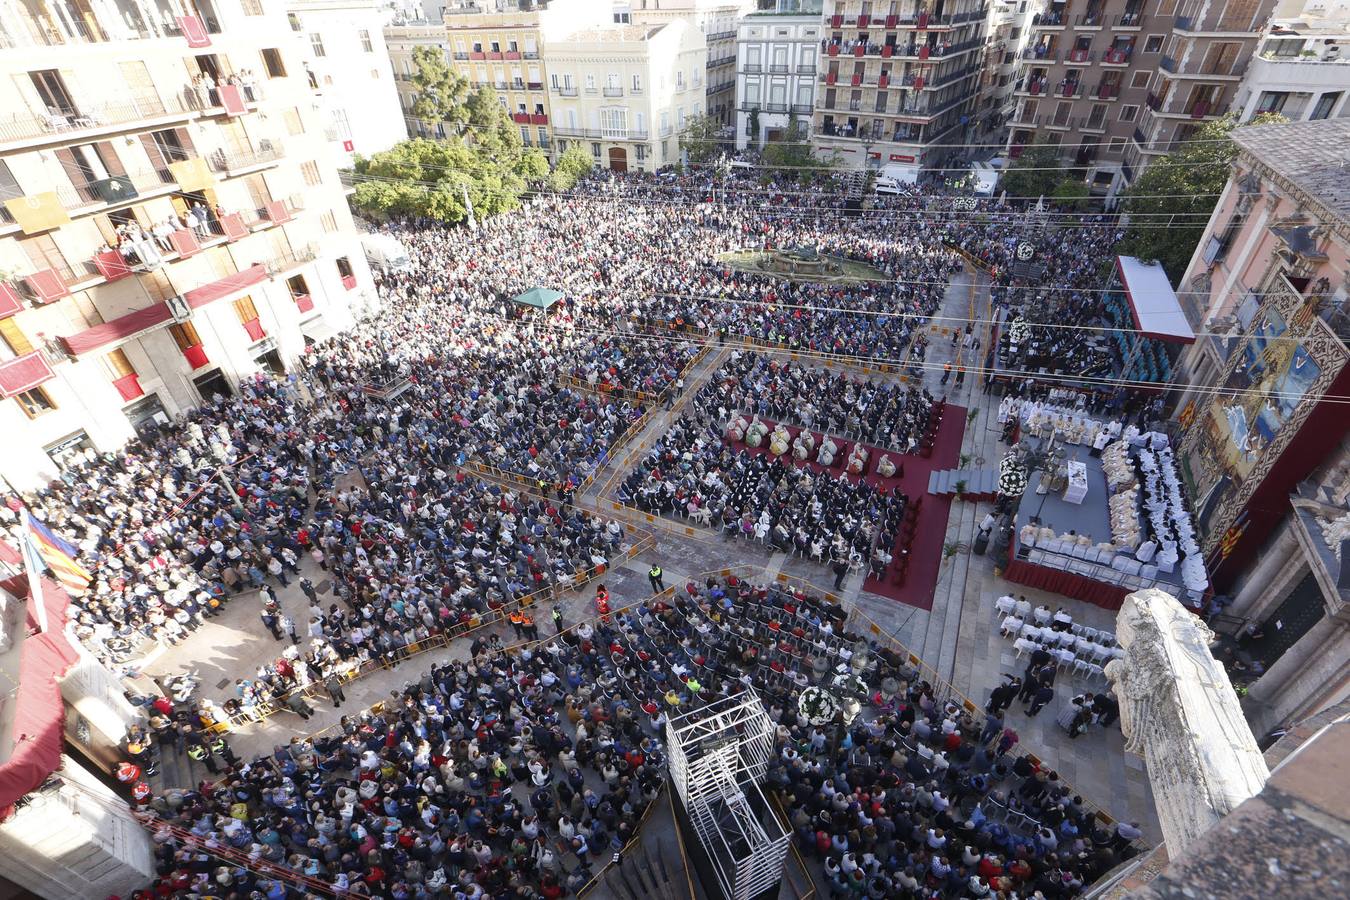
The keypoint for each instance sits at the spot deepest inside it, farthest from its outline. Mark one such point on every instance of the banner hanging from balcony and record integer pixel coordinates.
(24, 373)
(38, 212)
(191, 174)
(9, 301)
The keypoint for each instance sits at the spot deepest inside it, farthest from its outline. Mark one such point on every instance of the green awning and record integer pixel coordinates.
(539, 298)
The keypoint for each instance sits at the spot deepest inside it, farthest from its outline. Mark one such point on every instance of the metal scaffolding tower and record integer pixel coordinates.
(718, 755)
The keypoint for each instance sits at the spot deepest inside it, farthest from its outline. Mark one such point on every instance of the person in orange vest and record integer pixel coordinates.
(602, 603)
(527, 625)
(946, 372)
(516, 620)
(128, 773)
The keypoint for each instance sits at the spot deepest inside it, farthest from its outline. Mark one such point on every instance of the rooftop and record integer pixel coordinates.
(615, 33)
(1311, 155)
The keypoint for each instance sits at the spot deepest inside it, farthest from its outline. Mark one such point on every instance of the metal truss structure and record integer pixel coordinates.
(718, 755)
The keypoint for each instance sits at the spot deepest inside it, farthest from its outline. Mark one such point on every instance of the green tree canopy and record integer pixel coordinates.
(431, 178)
(1034, 174)
(1072, 194)
(793, 153)
(1170, 204)
(442, 93)
(701, 139)
(574, 163)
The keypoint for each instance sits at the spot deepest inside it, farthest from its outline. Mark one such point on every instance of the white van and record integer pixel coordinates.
(384, 251)
(984, 177)
(893, 179)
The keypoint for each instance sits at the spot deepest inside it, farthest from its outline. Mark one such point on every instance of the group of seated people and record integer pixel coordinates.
(517, 774)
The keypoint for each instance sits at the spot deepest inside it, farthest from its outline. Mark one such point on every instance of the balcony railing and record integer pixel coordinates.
(220, 161)
(297, 257)
(86, 118)
(612, 92)
(1168, 64)
(565, 90)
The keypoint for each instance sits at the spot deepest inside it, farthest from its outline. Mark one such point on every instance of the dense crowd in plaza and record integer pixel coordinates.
(513, 775)
(368, 481)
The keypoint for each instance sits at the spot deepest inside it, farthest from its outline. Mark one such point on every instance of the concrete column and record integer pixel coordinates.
(1274, 573)
(1308, 677)
(78, 840)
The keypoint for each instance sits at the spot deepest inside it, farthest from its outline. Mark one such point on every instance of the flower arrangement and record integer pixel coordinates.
(818, 706)
(1018, 331)
(1012, 481)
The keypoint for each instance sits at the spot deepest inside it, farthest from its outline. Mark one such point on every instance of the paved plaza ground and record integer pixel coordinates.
(958, 638)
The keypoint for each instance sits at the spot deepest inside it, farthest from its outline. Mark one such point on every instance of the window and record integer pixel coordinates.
(43, 253)
(344, 267)
(294, 21)
(1139, 79)
(329, 222)
(1271, 102)
(1217, 246)
(51, 88)
(614, 122)
(296, 285)
(118, 365)
(35, 402)
(89, 167)
(595, 149)
(641, 152)
(1116, 146)
(9, 190)
(294, 124)
(590, 83)
(252, 7)
(310, 171)
(637, 84)
(1153, 43)
(316, 43)
(185, 335)
(245, 310)
(271, 58)
(1325, 104)
(1128, 113)
(365, 41)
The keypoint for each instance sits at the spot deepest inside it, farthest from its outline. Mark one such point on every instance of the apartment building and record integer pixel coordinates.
(350, 72)
(1007, 31)
(777, 51)
(1264, 453)
(625, 92)
(169, 225)
(500, 45)
(402, 38)
(1301, 68)
(899, 80)
(717, 20)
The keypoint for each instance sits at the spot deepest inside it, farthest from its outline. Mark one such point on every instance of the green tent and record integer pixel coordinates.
(539, 298)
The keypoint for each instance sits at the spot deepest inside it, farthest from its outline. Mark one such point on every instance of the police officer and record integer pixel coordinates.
(219, 747)
(527, 625)
(197, 752)
(654, 576)
(557, 619)
(517, 622)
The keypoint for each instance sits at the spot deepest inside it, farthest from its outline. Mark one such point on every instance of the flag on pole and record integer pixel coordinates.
(43, 549)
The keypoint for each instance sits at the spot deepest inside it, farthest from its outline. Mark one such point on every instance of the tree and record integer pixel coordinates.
(701, 139)
(1071, 194)
(1171, 202)
(442, 93)
(432, 178)
(793, 153)
(754, 125)
(1034, 174)
(572, 165)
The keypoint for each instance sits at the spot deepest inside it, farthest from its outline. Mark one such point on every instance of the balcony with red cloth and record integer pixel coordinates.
(925, 51)
(494, 55)
(255, 330)
(185, 242)
(477, 54)
(24, 373)
(832, 50)
(111, 265)
(836, 21)
(860, 49)
(232, 224)
(864, 21)
(887, 51)
(856, 80)
(883, 80)
(232, 99)
(349, 282)
(1200, 109)
(304, 303)
(513, 54)
(129, 386)
(520, 118)
(194, 32)
(195, 356)
(539, 118)
(277, 212)
(10, 302)
(892, 21)
(923, 21)
(47, 286)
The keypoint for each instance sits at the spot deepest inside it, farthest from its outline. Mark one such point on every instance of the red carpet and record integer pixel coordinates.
(931, 527)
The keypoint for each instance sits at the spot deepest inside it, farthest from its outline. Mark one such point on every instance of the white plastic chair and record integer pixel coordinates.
(1042, 616)
(1004, 606)
(1031, 632)
(1023, 608)
(1066, 658)
(1022, 645)
(1081, 666)
(1011, 625)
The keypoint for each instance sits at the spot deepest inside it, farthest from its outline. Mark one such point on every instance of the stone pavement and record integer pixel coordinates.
(958, 638)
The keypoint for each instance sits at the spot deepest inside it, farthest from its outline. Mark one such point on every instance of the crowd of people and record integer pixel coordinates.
(511, 775)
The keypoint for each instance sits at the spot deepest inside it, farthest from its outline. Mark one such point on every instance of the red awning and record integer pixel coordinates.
(24, 373)
(39, 716)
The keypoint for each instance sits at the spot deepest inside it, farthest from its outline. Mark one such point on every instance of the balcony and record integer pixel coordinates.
(1069, 89)
(267, 154)
(1132, 20)
(287, 262)
(565, 90)
(1168, 64)
(752, 68)
(612, 92)
(1117, 56)
(59, 125)
(721, 36)
(1081, 56)
(1088, 21)
(1107, 91)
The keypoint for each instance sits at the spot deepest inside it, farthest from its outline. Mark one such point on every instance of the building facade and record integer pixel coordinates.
(1266, 459)
(501, 45)
(1006, 36)
(625, 92)
(170, 225)
(1301, 68)
(717, 20)
(350, 70)
(402, 39)
(777, 51)
(1116, 83)
(898, 81)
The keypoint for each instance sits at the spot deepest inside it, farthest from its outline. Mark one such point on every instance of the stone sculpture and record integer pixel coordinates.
(1178, 710)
